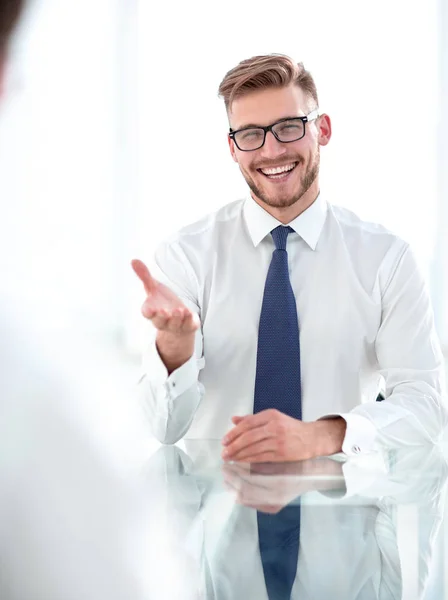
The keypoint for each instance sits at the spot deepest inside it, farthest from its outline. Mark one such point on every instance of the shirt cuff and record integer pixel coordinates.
(360, 434)
(175, 384)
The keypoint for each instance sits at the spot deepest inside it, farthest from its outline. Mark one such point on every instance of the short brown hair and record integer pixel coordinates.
(267, 71)
(10, 11)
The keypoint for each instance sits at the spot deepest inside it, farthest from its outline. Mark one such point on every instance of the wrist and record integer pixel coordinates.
(329, 436)
(175, 349)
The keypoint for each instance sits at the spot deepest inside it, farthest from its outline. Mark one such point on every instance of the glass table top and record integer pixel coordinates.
(180, 524)
(370, 527)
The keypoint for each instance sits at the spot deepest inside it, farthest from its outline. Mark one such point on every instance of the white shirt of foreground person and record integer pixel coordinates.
(363, 309)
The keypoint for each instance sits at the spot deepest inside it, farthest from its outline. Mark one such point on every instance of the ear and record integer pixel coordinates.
(324, 129)
(232, 148)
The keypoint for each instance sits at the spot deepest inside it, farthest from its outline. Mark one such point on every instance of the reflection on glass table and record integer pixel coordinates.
(360, 530)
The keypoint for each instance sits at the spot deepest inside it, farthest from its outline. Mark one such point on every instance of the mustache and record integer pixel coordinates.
(285, 161)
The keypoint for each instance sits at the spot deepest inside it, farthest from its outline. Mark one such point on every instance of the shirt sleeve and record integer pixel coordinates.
(359, 435)
(171, 401)
(410, 360)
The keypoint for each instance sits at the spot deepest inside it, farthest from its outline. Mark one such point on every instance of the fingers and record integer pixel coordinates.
(263, 451)
(248, 422)
(178, 320)
(169, 320)
(266, 508)
(249, 443)
(142, 272)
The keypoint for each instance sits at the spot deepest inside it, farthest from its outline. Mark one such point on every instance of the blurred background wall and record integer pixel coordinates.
(113, 136)
(64, 160)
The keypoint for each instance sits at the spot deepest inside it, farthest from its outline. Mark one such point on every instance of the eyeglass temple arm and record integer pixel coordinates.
(314, 114)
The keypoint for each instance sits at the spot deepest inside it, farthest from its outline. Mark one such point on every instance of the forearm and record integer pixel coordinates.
(412, 415)
(169, 417)
(174, 350)
(328, 436)
(410, 360)
(170, 400)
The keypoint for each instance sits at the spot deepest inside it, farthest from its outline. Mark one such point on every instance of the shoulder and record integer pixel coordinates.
(371, 246)
(364, 234)
(193, 246)
(200, 233)
(354, 224)
(225, 215)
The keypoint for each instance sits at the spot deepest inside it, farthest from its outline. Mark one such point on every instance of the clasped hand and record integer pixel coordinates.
(271, 436)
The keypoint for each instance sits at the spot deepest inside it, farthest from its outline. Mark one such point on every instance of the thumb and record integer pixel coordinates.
(237, 420)
(142, 272)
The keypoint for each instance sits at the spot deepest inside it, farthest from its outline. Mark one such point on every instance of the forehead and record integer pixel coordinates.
(263, 107)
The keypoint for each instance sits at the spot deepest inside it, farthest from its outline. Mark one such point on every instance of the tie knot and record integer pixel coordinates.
(280, 235)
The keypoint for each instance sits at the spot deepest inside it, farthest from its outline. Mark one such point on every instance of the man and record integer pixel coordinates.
(278, 313)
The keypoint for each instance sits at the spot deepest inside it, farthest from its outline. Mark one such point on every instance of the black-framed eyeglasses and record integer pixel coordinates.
(285, 131)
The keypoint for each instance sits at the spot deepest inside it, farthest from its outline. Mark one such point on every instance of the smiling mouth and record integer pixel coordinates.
(279, 173)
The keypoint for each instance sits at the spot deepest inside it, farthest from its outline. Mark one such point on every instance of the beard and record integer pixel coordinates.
(284, 199)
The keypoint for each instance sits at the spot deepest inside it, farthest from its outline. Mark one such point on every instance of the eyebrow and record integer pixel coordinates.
(258, 125)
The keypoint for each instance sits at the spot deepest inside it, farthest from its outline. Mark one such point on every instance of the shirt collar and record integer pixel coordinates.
(308, 225)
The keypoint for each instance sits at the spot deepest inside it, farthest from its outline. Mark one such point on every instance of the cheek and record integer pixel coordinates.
(312, 149)
(246, 166)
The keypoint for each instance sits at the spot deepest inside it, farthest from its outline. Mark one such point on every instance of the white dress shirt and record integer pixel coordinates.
(364, 312)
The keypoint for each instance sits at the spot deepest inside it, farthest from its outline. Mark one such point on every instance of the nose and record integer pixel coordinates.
(272, 148)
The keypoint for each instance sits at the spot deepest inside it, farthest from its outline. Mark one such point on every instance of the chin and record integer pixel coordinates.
(280, 202)
(286, 198)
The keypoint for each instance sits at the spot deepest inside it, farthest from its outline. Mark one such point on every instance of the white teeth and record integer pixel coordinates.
(278, 169)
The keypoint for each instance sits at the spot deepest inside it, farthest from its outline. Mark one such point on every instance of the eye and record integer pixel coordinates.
(251, 134)
(290, 127)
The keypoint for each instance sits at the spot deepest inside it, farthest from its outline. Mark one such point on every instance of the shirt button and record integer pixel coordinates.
(356, 449)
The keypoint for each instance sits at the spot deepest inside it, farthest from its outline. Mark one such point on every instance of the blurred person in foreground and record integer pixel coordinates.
(64, 514)
(10, 11)
(276, 316)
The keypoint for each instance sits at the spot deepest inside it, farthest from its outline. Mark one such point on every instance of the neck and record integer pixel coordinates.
(287, 214)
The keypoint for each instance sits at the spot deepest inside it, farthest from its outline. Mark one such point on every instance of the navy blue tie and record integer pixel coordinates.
(277, 385)
(277, 381)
